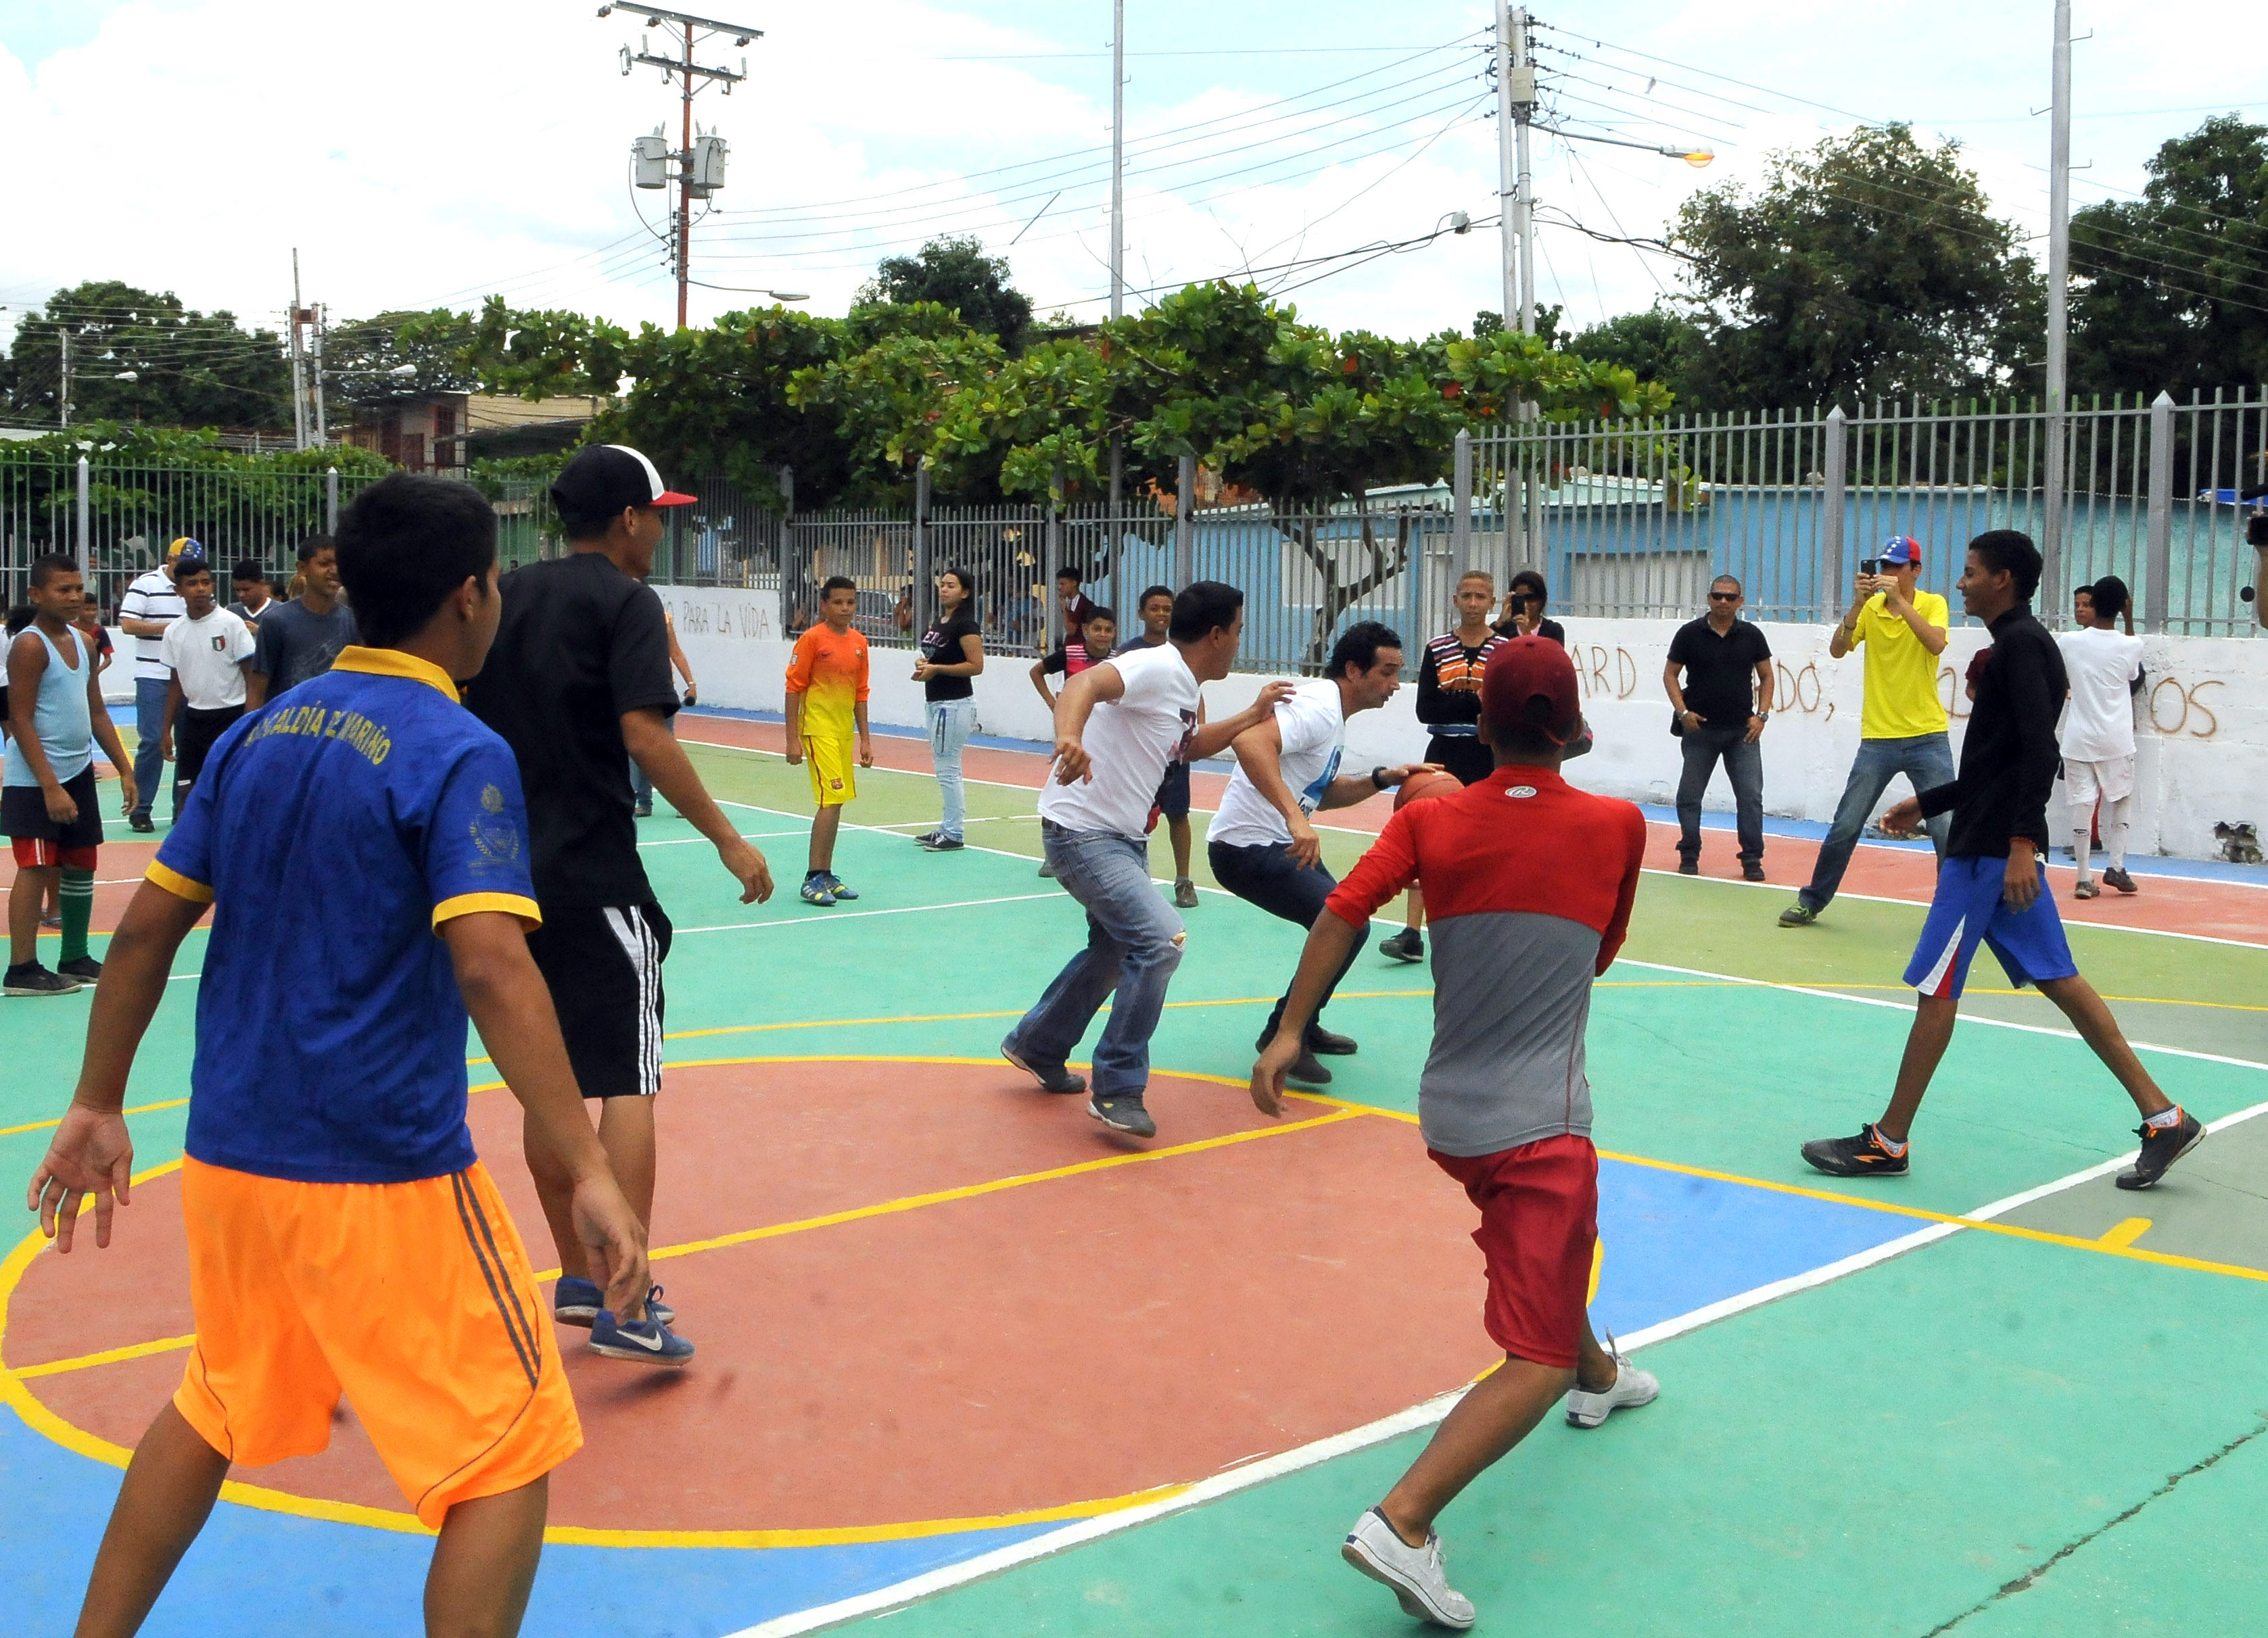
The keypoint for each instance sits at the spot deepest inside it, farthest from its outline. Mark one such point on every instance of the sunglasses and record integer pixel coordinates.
(1724, 596)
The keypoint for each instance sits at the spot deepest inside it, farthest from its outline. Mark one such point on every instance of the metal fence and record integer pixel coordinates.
(1634, 517)
(117, 517)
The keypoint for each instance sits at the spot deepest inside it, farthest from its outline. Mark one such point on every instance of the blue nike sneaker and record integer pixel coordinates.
(648, 1341)
(577, 1302)
(835, 886)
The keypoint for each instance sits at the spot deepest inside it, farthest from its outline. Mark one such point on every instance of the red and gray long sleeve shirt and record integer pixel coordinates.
(1529, 884)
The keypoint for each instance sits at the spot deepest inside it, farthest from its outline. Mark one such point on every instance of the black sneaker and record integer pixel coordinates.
(1323, 1040)
(1689, 867)
(1123, 1114)
(84, 968)
(642, 809)
(141, 822)
(1055, 1080)
(2162, 1146)
(1308, 1068)
(1859, 1157)
(29, 977)
(2119, 879)
(1409, 944)
(1752, 872)
(934, 843)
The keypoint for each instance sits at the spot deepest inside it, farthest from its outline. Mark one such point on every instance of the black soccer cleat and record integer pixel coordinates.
(2162, 1146)
(1859, 1157)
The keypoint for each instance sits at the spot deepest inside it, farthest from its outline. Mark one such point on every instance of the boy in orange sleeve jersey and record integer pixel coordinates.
(826, 706)
(343, 1235)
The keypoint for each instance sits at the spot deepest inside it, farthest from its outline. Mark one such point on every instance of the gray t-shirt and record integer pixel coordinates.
(296, 643)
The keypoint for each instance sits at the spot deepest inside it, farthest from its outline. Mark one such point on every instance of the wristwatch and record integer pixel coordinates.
(1378, 776)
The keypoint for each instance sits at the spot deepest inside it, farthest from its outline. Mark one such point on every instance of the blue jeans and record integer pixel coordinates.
(1744, 765)
(641, 787)
(1266, 877)
(951, 722)
(1925, 759)
(1133, 945)
(148, 729)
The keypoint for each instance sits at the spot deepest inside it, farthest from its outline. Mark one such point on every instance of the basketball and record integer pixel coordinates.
(1420, 786)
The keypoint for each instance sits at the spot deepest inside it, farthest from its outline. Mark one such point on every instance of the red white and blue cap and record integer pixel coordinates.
(1902, 549)
(605, 478)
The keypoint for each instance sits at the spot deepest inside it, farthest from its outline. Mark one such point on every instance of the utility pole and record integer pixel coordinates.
(2058, 291)
(299, 363)
(700, 166)
(63, 400)
(1117, 232)
(1523, 204)
(322, 322)
(1507, 231)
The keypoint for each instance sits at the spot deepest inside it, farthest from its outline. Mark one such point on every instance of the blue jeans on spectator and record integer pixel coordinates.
(1266, 877)
(951, 722)
(1925, 759)
(1744, 765)
(1133, 945)
(149, 729)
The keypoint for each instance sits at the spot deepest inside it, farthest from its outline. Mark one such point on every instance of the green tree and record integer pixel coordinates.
(2171, 291)
(1659, 344)
(955, 272)
(363, 355)
(180, 368)
(1868, 267)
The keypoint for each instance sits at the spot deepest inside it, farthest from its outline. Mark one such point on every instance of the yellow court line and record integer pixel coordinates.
(44, 1126)
(108, 1356)
(2124, 1233)
(972, 1191)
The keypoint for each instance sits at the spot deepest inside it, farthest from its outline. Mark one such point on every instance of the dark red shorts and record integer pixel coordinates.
(1539, 1206)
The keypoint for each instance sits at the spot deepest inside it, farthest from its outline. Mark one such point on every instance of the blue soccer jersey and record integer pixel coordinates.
(330, 1032)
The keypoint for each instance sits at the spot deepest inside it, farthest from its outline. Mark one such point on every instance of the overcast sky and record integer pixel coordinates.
(421, 154)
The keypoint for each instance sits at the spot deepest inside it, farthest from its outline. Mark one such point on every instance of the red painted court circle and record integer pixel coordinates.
(922, 1292)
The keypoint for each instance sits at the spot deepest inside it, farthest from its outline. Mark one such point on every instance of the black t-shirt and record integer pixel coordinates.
(941, 645)
(1546, 628)
(580, 643)
(1719, 671)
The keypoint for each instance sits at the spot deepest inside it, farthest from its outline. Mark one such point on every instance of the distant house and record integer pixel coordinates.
(446, 432)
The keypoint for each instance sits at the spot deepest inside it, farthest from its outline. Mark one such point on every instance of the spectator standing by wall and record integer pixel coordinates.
(300, 639)
(1523, 616)
(248, 586)
(208, 650)
(2105, 671)
(1902, 729)
(150, 604)
(1719, 711)
(952, 656)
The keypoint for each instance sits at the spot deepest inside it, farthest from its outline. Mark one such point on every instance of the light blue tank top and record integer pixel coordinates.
(60, 716)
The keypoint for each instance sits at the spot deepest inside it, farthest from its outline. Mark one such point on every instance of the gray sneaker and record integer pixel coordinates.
(1185, 893)
(1123, 1114)
(29, 977)
(1418, 1577)
(1046, 872)
(1055, 1080)
(1797, 915)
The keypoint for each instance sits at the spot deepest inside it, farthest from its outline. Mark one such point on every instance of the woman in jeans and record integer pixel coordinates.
(952, 652)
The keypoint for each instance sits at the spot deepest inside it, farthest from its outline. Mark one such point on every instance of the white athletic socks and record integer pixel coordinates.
(2115, 815)
(2165, 1119)
(1889, 1146)
(2082, 841)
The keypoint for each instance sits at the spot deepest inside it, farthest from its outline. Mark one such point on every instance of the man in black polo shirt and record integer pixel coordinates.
(1992, 886)
(578, 684)
(1718, 714)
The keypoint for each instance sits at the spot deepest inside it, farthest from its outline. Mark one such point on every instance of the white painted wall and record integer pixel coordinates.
(2203, 739)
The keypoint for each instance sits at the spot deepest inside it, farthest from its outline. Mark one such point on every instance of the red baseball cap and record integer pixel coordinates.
(1530, 683)
(605, 478)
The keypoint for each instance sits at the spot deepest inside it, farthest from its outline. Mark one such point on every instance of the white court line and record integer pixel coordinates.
(761, 835)
(1425, 1415)
(1349, 830)
(847, 915)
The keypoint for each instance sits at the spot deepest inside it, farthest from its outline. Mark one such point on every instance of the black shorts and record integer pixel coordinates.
(24, 814)
(603, 968)
(194, 734)
(1461, 754)
(1174, 791)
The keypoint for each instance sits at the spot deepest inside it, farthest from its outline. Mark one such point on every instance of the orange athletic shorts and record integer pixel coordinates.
(1539, 1208)
(415, 1299)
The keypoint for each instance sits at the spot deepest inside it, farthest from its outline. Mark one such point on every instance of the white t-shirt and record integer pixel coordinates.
(151, 597)
(1313, 722)
(206, 655)
(1130, 740)
(2099, 725)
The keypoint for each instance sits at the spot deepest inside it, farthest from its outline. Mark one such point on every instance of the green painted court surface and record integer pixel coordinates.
(1996, 1432)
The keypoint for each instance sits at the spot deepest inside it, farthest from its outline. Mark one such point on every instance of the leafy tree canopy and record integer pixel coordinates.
(1865, 268)
(188, 369)
(361, 356)
(955, 272)
(2171, 290)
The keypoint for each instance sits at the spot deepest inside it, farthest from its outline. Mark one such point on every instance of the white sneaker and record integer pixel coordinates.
(1633, 1387)
(1417, 1576)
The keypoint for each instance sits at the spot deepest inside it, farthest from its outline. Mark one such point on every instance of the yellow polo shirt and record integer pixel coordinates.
(1902, 699)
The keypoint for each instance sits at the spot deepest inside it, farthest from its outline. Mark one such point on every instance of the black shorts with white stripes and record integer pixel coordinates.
(603, 968)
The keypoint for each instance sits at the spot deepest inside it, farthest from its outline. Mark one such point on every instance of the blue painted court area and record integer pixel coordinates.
(1674, 1243)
